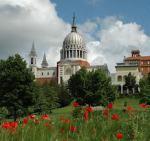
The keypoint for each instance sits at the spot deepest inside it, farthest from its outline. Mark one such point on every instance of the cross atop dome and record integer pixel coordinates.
(74, 27)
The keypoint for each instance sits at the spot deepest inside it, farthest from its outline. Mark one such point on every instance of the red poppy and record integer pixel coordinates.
(6, 125)
(14, 124)
(47, 124)
(143, 105)
(86, 115)
(119, 136)
(129, 108)
(25, 120)
(73, 128)
(45, 117)
(89, 109)
(110, 106)
(115, 117)
(75, 104)
(32, 116)
(105, 112)
(67, 121)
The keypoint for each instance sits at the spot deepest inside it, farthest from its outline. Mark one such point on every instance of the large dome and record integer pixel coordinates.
(74, 47)
(74, 40)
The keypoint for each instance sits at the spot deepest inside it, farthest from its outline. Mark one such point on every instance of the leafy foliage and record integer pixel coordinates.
(92, 88)
(16, 86)
(130, 82)
(145, 89)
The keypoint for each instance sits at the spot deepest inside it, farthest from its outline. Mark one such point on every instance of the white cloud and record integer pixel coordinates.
(114, 40)
(23, 21)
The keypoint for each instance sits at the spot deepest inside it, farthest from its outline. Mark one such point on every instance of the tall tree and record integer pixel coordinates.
(145, 89)
(16, 85)
(130, 82)
(92, 88)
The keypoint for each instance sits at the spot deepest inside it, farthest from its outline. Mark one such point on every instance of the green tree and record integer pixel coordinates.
(64, 98)
(130, 82)
(145, 89)
(46, 100)
(16, 86)
(92, 88)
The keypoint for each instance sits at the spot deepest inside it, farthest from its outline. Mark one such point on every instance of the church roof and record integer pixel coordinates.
(44, 62)
(33, 52)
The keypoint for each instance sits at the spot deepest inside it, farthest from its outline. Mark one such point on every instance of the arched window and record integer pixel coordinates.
(31, 60)
(119, 78)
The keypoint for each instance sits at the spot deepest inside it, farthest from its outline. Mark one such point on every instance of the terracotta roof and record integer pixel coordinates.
(138, 58)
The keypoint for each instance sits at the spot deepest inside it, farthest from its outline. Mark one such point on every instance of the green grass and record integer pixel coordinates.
(133, 125)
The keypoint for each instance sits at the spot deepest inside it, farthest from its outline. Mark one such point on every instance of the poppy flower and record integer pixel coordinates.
(129, 108)
(32, 116)
(89, 109)
(105, 112)
(115, 117)
(75, 104)
(142, 105)
(119, 136)
(73, 128)
(110, 106)
(6, 125)
(45, 117)
(67, 121)
(14, 124)
(25, 120)
(86, 115)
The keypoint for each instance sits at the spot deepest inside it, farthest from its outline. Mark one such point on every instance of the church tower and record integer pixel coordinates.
(44, 62)
(33, 56)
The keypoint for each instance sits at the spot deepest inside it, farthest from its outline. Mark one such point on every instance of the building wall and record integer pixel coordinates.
(119, 77)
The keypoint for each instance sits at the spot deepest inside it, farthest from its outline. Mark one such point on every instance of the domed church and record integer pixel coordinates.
(73, 56)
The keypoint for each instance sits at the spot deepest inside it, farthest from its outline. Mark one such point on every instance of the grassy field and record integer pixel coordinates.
(132, 125)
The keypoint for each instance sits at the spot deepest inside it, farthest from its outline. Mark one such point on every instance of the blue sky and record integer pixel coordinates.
(127, 10)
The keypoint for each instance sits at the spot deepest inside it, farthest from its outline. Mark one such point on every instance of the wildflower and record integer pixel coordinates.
(6, 125)
(110, 106)
(105, 112)
(115, 117)
(32, 116)
(75, 104)
(142, 105)
(73, 128)
(86, 115)
(45, 117)
(89, 109)
(119, 136)
(25, 120)
(67, 121)
(129, 108)
(47, 124)
(14, 124)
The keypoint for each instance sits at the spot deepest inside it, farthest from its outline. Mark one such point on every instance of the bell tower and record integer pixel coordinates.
(33, 56)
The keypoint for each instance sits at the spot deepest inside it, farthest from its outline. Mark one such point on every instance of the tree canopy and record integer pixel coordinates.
(16, 85)
(92, 88)
(145, 89)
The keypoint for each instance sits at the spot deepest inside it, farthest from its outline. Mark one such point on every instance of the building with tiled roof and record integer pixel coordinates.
(143, 62)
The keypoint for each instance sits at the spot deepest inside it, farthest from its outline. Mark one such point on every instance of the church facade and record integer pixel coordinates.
(73, 56)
